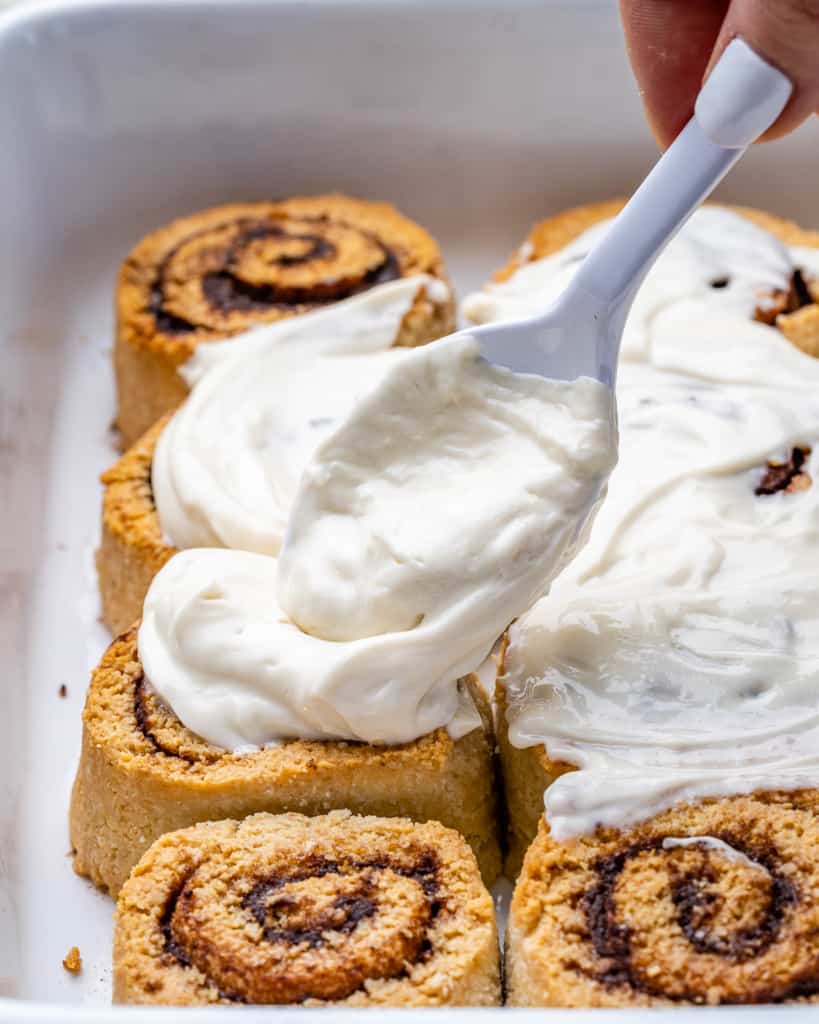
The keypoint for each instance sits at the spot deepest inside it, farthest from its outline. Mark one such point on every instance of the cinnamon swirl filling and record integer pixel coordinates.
(786, 475)
(319, 930)
(287, 909)
(693, 887)
(713, 903)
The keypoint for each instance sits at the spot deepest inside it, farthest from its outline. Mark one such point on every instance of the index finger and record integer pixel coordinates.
(670, 44)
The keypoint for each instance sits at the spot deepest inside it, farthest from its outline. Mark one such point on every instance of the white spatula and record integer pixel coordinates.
(579, 333)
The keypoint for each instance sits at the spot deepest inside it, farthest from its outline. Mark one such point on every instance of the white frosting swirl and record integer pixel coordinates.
(227, 465)
(437, 511)
(678, 656)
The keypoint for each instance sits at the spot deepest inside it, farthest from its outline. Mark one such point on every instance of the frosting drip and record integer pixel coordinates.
(448, 500)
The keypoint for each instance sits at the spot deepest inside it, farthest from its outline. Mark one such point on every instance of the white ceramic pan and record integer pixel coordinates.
(475, 116)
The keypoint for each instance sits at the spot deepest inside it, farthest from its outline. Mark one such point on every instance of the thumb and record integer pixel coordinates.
(785, 33)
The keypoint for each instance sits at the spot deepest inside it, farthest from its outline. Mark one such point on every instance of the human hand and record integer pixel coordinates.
(673, 45)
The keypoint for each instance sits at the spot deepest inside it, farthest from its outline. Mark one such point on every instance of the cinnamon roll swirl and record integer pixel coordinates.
(142, 773)
(712, 903)
(292, 910)
(219, 272)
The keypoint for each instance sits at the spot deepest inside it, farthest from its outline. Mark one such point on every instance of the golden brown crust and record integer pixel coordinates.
(141, 774)
(526, 773)
(343, 910)
(218, 272)
(553, 234)
(625, 918)
(132, 548)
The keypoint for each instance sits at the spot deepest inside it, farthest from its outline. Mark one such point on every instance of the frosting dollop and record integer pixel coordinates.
(228, 463)
(451, 495)
(436, 511)
(219, 650)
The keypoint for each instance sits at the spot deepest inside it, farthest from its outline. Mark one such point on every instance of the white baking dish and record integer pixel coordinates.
(475, 116)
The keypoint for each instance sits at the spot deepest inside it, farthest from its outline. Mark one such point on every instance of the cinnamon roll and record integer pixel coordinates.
(142, 773)
(217, 273)
(711, 903)
(674, 659)
(333, 910)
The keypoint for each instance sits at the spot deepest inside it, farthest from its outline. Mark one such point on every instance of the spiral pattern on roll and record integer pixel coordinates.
(224, 270)
(234, 274)
(290, 910)
(163, 731)
(714, 903)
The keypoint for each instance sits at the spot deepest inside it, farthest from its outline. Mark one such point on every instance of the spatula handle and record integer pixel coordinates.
(742, 98)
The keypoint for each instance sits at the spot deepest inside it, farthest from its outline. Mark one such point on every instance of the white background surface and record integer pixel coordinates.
(477, 117)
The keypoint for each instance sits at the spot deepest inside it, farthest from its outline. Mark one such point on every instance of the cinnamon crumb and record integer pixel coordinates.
(73, 961)
(789, 476)
(801, 482)
(63, 690)
(800, 294)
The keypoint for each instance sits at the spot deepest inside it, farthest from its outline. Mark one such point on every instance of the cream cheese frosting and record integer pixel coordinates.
(436, 511)
(677, 657)
(228, 463)
(448, 499)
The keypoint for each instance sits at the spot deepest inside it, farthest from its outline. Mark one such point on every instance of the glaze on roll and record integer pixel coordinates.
(312, 911)
(705, 307)
(373, 612)
(677, 657)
